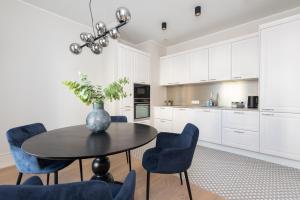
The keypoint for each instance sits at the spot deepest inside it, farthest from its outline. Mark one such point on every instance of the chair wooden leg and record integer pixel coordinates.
(180, 178)
(148, 186)
(19, 178)
(188, 184)
(80, 167)
(56, 177)
(126, 156)
(48, 177)
(129, 159)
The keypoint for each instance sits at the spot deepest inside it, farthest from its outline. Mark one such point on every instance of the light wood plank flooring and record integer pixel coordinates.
(163, 187)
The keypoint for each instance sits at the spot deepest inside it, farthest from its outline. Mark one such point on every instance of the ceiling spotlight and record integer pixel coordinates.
(197, 10)
(164, 26)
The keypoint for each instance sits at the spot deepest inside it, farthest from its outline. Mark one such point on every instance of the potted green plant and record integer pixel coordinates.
(98, 120)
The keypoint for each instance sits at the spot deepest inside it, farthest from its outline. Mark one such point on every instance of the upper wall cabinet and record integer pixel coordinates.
(174, 70)
(198, 71)
(280, 67)
(165, 71)
(220, 63)
(231, 60)
(179, 69)
(245, 59)
(142, 69)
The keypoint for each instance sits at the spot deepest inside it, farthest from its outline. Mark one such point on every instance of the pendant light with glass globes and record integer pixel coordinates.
(99, 39)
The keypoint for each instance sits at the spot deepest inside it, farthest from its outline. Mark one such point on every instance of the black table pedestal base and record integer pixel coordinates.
(100, 167)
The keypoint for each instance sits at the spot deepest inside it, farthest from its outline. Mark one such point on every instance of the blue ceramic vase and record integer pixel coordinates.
(98, 120)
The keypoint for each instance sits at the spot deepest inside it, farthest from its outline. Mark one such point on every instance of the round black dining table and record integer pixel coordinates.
(77, 142)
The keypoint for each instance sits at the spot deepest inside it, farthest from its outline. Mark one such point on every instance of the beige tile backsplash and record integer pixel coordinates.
(227, 91)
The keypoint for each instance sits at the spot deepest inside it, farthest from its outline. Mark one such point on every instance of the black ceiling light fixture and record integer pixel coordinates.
(197, 10)
(164, 26)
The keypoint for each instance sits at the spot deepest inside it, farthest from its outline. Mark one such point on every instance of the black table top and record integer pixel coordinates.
(78, 142)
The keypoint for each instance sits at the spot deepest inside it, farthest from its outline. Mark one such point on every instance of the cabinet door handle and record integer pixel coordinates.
(202, 80)
(170, 83)
(237, 77)
(212, 79)
(268, 109)
(240, 113)
(182, 109)
(270, 115)
(206, 110)
(240, 132)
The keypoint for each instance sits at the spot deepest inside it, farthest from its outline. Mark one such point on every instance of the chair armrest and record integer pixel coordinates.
(174, 160)
(167, 140)
(35, 180)
(128, 187)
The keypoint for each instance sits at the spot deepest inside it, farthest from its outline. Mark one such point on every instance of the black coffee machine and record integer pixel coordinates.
(252, 101)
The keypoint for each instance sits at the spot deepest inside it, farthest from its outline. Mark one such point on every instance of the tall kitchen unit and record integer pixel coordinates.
(280, 88)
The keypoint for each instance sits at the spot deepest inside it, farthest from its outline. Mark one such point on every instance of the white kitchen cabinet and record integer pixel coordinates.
(280, 67)
(125, 69)
(179, 69)
(208, 122)
(141, 69)
(198, 71)
(163, 112)
(163, 125)
(279, 134)
(165, 71)
(242, 120)
(248, 140)
(220, 62)
(245, 59)
(181, 116)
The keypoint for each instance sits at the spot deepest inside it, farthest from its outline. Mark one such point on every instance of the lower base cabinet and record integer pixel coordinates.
(209, 123)
(163, 125)
(280, 135)
(242, 139)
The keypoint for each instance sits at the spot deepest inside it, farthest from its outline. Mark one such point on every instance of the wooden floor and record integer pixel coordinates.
(163, 187)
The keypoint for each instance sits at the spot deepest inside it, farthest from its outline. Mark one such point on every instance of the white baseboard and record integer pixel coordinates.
(256, 155)
(6, 160)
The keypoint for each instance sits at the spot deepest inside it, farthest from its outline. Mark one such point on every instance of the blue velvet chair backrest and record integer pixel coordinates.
(189, 136)
(189, 139)
(16, 137)
(90, 190)
(118, 119)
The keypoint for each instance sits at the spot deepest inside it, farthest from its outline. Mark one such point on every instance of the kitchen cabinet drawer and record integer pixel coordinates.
(163, 125)
(244, 120)
(247, 140)
(163, 113)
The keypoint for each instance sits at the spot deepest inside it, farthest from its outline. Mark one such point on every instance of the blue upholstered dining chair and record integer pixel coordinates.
(173, 154)
(89, 190)
(26, 163)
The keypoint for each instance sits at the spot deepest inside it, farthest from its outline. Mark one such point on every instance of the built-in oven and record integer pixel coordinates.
(141, 91)
(141, 108)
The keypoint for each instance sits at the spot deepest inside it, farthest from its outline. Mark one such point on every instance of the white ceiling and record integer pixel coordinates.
(147, 15)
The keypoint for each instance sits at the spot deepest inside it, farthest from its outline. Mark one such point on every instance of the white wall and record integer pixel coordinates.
(237, 31)
(34, 60)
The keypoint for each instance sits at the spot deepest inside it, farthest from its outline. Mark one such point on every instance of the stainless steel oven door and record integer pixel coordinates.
(141, 110)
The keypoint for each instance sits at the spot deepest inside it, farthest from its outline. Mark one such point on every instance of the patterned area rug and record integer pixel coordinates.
(240, 178)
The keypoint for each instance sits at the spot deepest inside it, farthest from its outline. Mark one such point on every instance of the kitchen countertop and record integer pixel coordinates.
(214, 107)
